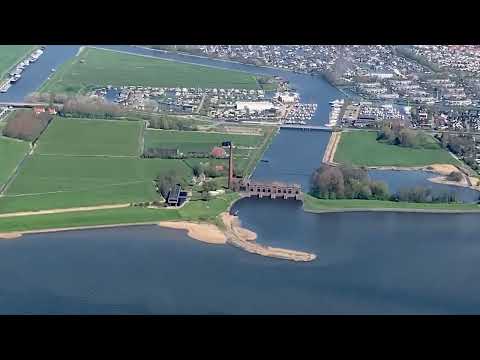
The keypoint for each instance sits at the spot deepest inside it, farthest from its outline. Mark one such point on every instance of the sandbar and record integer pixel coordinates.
(207, 233)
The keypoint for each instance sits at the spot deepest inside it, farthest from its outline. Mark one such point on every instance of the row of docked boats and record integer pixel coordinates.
(16, 74)
(335, 109)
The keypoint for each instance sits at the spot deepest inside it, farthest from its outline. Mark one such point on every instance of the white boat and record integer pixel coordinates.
(5, 87)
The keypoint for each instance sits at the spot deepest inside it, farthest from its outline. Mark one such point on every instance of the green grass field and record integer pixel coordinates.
(313, 204)
(50, 182)
(194, 210)
(103, 67)
(10, 55)
(79, 162)
(86, 168)
(11, 153)
(362, 148)
(70, 136)
(196, 141)
(249, 148)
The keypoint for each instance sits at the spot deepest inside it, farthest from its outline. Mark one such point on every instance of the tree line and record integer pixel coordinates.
(348, 182)
(461, 145)
(208, 169)
(25, 125)
(171, 123)
(80, 105)
(395, 133)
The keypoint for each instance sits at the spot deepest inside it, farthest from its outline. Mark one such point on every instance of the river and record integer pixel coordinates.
(368, 263)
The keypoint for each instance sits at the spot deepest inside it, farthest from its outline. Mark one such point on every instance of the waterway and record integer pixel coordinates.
(380, 263)
(38, 72)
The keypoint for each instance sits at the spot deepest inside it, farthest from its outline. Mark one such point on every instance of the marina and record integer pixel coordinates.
(16, 74)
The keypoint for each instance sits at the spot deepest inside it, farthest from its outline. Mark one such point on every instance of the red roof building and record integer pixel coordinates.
(38, 109)
(218, 152)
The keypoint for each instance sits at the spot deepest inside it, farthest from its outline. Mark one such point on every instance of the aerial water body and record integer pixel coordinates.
(380, 263)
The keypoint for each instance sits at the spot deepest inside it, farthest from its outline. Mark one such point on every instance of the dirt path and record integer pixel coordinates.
(80, 50)
(201, 104)
(96, 155)
(332, 145)
(59, 211)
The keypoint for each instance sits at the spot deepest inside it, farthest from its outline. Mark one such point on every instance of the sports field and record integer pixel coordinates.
(362, 148)
(10, 55)
(96, 67)
(70, 136)
(11, 153)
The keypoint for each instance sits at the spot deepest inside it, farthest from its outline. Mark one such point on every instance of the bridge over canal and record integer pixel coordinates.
(306, 127)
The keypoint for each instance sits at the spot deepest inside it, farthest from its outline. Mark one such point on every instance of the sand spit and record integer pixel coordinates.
(208, 233)
(10, 236)
(239, 237)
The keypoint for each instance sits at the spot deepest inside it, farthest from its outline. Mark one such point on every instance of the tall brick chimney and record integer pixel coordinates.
(230, 168)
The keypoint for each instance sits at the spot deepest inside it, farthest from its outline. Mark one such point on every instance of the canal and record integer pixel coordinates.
(368, 263)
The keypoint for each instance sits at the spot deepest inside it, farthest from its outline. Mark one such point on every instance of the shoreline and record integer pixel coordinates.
(17, 234)
(440, 169)
(231, 233)
(406, 210)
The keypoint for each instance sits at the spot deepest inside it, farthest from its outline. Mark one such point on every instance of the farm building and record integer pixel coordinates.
(218, 152)
(38, 110)
(176, 196)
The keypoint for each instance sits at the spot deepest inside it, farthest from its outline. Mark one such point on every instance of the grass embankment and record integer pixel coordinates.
(10, 55)
(205, 211)
(362, 149)
(312, 204)
(11, 153)
(96, 67)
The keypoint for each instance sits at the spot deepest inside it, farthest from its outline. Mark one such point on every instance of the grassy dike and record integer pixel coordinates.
(204, 211)
(315, 205)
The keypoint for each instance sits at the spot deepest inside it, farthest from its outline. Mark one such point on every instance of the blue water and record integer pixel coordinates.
(397, 180)
(367, 262)
(38, 72)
